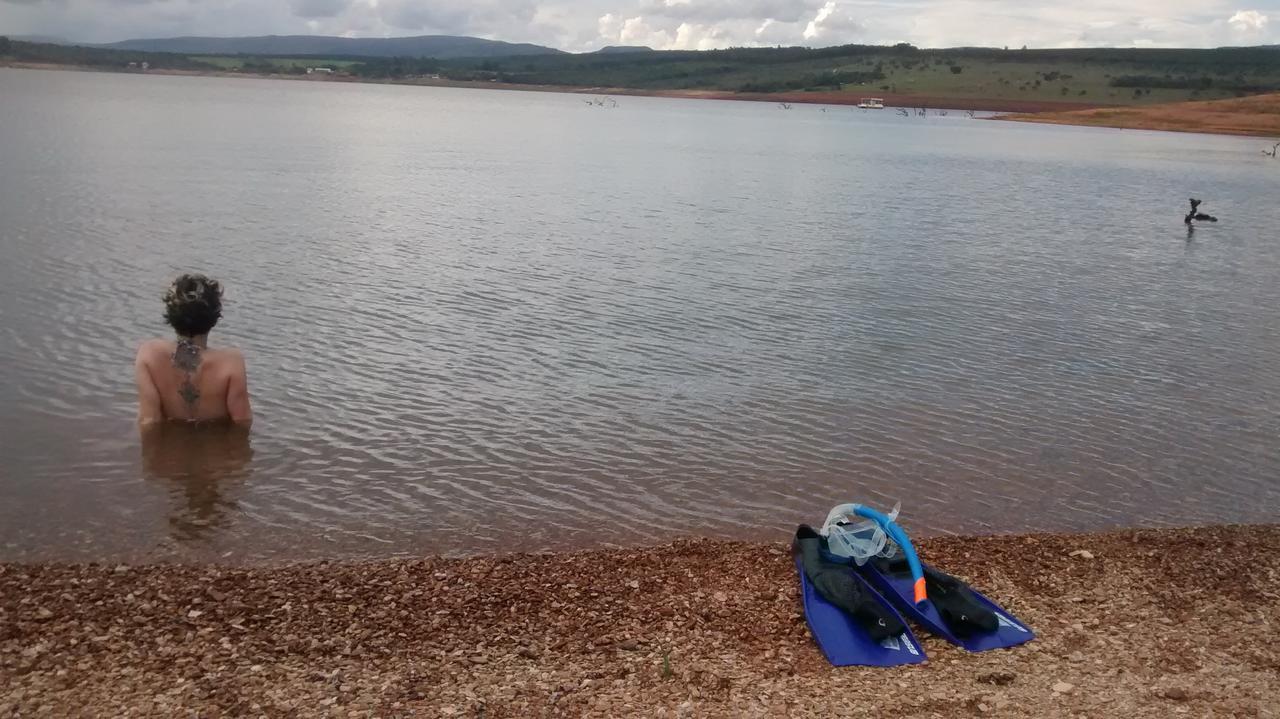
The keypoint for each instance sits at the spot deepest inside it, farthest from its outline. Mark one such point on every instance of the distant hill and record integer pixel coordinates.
(620, 49)
(38, 38)
(437, 46)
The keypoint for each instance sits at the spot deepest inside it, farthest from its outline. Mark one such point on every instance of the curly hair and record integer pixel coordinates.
(193, 305)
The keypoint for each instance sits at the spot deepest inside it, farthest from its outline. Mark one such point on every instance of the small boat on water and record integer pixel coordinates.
(871, 103)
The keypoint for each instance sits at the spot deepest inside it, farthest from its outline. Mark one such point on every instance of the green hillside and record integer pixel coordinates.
(1091, 75)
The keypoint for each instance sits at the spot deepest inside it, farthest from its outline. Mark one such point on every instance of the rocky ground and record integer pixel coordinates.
(1153, 623)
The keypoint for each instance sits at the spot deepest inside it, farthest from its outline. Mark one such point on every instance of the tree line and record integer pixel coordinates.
(38, 52)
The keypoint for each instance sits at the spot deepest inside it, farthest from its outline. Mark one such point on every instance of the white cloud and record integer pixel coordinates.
(704, 11)
(635, 31)
(834, 24)
(1248, 21)
(319, 8)
(772, 32)
(694, 36)
(487, 18)
(811, 30)
(589, 24)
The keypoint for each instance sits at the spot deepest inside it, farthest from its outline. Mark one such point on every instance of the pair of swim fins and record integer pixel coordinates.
(853, 612)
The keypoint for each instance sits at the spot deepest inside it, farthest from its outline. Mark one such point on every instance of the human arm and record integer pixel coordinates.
(150, 409)
(238, 393)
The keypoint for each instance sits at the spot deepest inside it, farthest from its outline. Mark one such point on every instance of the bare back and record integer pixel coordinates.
(182, 381)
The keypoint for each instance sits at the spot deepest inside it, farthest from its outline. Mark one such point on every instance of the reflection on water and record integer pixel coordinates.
(200, 467)
(480, 321)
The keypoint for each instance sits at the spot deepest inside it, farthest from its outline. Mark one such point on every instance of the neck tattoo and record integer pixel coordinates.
(186, 357)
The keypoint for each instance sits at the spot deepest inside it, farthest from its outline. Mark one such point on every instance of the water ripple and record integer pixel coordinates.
(486, 321)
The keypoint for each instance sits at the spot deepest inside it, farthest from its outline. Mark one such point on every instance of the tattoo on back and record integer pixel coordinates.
(187, 357)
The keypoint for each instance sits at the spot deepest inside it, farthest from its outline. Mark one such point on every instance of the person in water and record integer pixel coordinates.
(182, 379)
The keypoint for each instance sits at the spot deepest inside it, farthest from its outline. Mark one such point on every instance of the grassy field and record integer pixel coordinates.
(285, 64)
(1036, 81)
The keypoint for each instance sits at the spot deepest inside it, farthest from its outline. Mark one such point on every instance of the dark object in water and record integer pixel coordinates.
(1193, 215)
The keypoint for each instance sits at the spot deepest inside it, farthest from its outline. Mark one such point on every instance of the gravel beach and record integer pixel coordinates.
(1141, 623)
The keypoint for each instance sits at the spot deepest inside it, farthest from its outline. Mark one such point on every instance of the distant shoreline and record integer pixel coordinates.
(930, 102)
(1254, 116)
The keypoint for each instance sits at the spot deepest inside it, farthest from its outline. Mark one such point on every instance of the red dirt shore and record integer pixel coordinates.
(1144, 623)
(1258, 115)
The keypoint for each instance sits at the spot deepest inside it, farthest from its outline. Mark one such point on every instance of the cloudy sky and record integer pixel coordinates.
(669, 24)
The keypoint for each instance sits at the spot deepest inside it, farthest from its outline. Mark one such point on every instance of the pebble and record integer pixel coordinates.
(997, 678)
(1063, 688)
(1082, 553)
(1176, 693)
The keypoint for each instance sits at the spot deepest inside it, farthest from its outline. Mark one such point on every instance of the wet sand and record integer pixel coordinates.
(1258, 115)
(1147, 623)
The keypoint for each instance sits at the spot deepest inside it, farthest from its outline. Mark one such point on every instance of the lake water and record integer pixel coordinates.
(489, 321)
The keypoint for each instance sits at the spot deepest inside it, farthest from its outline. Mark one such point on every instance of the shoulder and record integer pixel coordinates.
(227, 357)
(154, 349)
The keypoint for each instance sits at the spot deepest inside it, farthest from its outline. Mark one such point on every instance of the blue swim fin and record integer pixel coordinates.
(1002, 630)
(843, 641)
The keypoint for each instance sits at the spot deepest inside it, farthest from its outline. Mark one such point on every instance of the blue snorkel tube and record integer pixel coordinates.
(895, 533)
